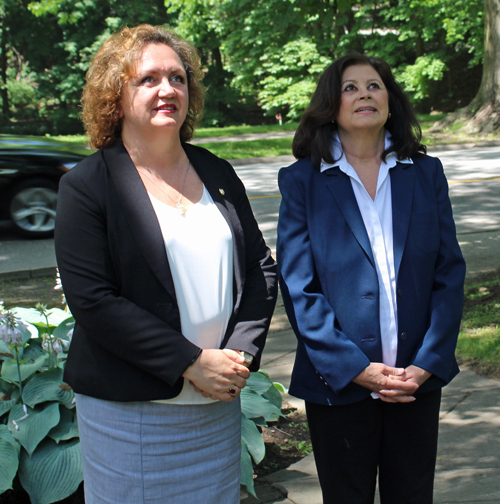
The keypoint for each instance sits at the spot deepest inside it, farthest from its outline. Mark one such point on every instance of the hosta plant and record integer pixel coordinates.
(38, 428)
(260, 403)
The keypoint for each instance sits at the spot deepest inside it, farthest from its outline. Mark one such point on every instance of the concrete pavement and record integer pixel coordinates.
(468, 462)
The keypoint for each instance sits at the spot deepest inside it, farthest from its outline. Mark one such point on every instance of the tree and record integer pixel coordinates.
(259, 56)
(484, 110)
(3, 64)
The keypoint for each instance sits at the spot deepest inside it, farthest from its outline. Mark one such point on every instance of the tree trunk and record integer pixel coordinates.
(3, 73)
(483, 112)
(485, 107)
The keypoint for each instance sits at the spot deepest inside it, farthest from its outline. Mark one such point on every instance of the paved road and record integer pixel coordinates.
(473, 174)
(474, 178)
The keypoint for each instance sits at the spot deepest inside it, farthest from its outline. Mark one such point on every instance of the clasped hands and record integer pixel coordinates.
(219, 374)
(392, 384)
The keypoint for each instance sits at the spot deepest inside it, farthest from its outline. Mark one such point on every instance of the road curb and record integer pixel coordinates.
(27, 274)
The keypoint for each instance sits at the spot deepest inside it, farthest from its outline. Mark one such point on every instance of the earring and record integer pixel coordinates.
(389, 116)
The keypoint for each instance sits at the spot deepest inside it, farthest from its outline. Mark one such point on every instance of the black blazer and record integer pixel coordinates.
(127, 344)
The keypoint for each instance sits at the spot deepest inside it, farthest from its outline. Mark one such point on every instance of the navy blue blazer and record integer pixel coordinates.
(127, 344)
(330, 287)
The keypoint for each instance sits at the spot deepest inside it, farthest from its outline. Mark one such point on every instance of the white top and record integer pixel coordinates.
(377, 218)
(200, 254)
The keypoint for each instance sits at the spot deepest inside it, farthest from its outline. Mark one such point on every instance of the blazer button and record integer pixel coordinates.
(400, 292)
(403, 335)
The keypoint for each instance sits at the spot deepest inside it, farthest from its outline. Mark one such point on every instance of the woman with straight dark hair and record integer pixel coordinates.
(372, 280)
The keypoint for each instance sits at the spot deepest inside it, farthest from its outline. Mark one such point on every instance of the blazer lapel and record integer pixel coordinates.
(402, 182)
(340, 186)
(139, 213)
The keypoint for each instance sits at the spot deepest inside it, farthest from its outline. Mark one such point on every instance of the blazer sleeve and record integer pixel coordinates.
(249, 328)
(437, 352)
(92, 282)
(334, 356)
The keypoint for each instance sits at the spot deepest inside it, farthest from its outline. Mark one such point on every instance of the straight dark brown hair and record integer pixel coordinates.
(317, 127)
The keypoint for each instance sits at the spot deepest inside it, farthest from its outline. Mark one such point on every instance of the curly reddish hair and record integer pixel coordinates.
(114, 64)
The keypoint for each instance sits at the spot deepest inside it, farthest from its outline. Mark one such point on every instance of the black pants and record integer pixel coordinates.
(353, 441)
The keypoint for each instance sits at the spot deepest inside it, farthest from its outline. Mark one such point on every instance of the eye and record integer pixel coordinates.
(350, 87)
(178, 78)
(374, 85)
(147, 80)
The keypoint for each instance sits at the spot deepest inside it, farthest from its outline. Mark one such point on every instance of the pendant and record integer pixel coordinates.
(181, 209)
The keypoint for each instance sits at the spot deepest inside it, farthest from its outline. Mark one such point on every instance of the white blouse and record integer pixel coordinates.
(200, 254)
(377, 218)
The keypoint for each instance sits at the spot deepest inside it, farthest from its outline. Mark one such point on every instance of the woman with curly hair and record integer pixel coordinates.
(169, 280)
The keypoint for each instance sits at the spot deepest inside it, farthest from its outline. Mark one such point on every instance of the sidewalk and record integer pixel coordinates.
(468, 462)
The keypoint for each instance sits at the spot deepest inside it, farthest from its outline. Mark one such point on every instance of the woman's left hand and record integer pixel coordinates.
(413, 374)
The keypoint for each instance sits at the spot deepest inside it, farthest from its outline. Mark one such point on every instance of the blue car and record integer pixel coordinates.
(30, 169)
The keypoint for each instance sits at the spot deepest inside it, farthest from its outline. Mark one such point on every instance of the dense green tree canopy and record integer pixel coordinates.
(261, 57)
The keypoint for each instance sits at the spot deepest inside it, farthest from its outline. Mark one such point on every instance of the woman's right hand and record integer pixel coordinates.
(217, 373)
(387, 382)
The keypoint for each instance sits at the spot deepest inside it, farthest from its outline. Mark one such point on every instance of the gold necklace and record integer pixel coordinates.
(181, 209)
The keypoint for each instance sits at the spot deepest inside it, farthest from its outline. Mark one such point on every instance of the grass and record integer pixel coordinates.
(251, 148)
(281, 146)
(479, 338)
(244, 129)
(203, 132)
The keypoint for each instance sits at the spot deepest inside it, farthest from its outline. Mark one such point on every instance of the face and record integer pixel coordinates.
(156, 97)
(364, 102)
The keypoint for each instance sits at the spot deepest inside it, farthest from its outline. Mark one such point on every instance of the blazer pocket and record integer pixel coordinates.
(424, 228)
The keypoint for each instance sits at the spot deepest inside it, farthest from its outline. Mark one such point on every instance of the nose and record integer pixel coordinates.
(365, 94)
(166, 88)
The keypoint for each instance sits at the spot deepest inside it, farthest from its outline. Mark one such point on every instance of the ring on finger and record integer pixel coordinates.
(232, 390)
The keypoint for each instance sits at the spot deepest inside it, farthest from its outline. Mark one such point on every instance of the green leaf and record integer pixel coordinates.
(246, 469)
(9, 458)
(258, 408)
(53, 472)
(48, 386)
(253, 438)
(259, 382)
(67, 428)
(5, 350)
(274, 396)
(36, 426)
(33, 316)
(6, 404)
(280, 387)
(61, 331)
(10, 371)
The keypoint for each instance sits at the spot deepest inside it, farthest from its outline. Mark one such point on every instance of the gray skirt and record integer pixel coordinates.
(154, 453)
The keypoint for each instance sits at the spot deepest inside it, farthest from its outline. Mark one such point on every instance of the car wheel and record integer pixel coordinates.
(32, 207)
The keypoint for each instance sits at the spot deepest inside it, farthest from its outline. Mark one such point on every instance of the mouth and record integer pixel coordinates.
(366, 109)
(167, 108)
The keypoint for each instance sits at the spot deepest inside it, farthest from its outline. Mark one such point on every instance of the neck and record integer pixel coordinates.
(363, 144)
(154, 153)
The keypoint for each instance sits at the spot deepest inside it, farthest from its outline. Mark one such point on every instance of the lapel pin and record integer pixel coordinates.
(222, 191)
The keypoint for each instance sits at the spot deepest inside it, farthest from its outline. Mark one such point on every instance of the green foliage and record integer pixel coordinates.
(260, 403)
(259, 56)
(479, 338)
(303, 447)
(417, 78)
(292, 73)
(38, 432)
